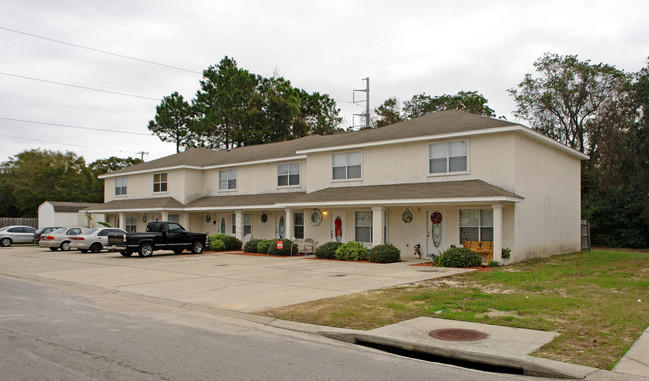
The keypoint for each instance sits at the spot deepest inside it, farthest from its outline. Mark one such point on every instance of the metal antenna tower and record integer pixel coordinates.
(366, 115)
(142, 153)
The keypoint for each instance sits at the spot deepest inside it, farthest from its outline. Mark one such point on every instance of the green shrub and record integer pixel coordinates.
(458, 257)
(385, 253)
(262, 246)
(230, 242)
(217, 245)
(251, 246)
(290, 248)
(351, 251)
(327, 250)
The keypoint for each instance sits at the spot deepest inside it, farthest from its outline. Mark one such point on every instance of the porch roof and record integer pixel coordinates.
(136, 205)
(446, 192)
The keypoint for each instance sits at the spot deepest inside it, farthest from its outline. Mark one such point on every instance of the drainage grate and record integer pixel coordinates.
(457, 334)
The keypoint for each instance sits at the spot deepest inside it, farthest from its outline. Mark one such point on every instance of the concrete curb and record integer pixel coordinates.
(532, 366)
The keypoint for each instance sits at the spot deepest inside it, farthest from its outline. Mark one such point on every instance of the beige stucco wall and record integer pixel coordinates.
(489, 160)
(548, 221)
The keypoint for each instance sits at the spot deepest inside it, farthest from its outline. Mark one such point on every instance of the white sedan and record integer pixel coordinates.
(93, 239)
(60, 238)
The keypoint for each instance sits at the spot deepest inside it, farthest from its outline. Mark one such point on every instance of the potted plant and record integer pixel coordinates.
(506, 253)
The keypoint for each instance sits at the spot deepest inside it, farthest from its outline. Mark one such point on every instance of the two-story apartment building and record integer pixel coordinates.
(435, 181)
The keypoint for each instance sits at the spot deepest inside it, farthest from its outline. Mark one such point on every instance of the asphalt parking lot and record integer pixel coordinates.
(230, 281)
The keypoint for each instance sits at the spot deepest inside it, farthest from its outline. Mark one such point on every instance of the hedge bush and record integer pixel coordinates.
(351, 251)
(230, 242)
(458, 257)
(263, 245)
(290, 248)
(217, 245)
(327, 250)
(251, 246)
(385, 253)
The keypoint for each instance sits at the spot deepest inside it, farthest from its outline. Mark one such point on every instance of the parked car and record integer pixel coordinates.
(60, 238)
(159, 235)
(93, 239)
(16, 234)
(44, 231)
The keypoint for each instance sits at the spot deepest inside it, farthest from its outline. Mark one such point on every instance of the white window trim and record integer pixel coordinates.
(346, 179)
(480, 226)
(299, 184)
(166, 182)
(236, 175)
(126, 186)
(468, 161)
(371, 226)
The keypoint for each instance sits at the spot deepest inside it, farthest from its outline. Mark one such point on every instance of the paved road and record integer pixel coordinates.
(64, 333)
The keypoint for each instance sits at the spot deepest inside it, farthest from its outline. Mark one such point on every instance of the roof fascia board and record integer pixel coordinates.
(451, 200)
(255, 162)
(410, 140)
(521, 128)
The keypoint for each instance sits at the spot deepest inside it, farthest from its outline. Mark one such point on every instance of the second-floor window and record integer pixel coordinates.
(228, 179)
(448, 157)
(120, 186)
(288, 174)
(160, 182)
(346, 165)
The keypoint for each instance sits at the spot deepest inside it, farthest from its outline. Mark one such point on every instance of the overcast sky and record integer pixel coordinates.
(405, 48)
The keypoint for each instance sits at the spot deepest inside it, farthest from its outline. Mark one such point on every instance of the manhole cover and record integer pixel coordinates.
(457, 334)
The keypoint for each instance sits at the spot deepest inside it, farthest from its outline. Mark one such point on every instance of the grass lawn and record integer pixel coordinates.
(598, 301)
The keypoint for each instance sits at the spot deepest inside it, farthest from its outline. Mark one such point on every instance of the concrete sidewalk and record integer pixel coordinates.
(234, 285)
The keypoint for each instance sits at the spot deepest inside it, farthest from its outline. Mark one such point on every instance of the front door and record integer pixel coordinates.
(281, 226)
(436, 231)
(338, 226)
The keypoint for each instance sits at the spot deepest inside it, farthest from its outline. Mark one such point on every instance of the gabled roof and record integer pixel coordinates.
(442, 124)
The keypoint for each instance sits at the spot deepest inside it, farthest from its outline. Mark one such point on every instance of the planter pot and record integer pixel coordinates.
(505, 261)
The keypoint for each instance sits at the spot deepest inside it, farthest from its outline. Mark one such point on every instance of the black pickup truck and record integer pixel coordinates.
(159, 235)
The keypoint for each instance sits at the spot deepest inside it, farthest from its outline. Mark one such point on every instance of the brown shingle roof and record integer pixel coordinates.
(471, 190)
(439, 123)
(465, 189)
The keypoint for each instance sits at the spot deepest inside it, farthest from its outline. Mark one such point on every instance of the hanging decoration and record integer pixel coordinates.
(338, 231)
(436, 219)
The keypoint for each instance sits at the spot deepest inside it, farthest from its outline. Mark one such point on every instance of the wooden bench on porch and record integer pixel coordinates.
(481, 248)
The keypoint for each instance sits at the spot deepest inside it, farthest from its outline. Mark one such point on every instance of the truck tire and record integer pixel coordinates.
(126, 253)
(145, 250)
(197, 247)
(53, 248)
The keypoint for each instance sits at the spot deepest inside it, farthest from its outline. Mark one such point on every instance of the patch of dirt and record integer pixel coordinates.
(495, 313)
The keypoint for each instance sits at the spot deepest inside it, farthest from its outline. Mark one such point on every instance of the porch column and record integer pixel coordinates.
(498, 231)
(238, 222)
(184, 220)
(289, 233)
(122, 221)
(165, 215)
(378, 236)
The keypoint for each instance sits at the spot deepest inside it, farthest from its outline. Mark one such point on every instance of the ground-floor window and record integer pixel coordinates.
(174, 218)
(234, 223)
(247, 224)
(131, 222)
(363, 226)
(298, 225)
(476, 225)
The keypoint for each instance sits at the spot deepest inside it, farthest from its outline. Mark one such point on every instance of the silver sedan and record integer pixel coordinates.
(16, 234)
(93, 239)
(60, 238)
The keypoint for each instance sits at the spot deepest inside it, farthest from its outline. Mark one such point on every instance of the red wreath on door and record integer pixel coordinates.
(338, 223)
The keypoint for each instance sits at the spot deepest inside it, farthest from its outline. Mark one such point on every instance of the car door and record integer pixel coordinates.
(176, 235)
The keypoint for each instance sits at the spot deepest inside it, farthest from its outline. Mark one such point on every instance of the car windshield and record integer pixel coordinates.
(5, 228)
(57, 231)
(89, 231)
